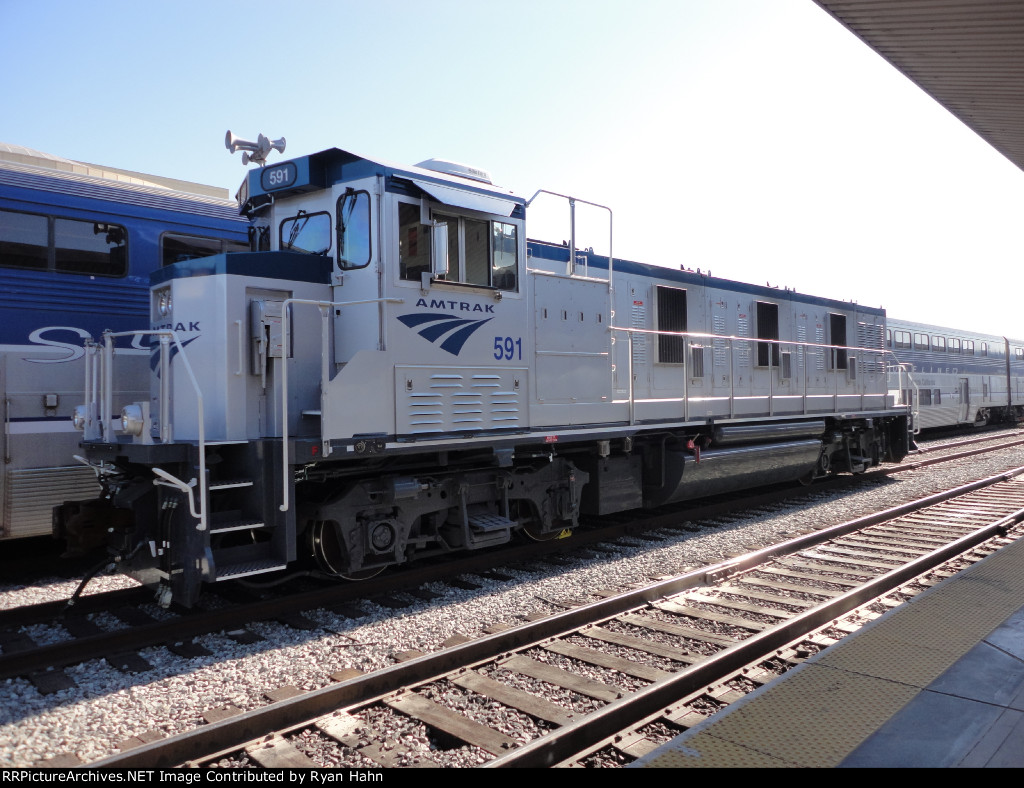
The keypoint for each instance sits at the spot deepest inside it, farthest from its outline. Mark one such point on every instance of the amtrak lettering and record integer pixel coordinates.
(462, 306)
(192, 326)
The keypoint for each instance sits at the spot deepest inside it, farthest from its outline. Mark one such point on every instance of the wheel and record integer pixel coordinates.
(328, 548)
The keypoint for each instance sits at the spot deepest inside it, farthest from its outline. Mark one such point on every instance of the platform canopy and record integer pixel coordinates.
(967, 54)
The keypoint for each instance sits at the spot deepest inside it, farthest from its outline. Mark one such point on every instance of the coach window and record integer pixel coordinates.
(920, 342)
(175, 248)
(671, 317)
(90, 247)
(48, 243)
(24, 240)
(901, 340)
(767, 328)
(968, 347)
(925, 397)
(354, 247)
(939, 344)
(984, 349)
(954, 345)
(309, 233)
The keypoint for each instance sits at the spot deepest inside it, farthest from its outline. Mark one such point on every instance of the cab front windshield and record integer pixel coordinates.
(306, 232)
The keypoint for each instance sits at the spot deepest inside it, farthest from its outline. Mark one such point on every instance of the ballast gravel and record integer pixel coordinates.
(108, 706)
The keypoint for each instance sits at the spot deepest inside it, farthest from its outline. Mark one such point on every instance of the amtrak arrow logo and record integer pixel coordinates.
(154, 352)
(437, 326)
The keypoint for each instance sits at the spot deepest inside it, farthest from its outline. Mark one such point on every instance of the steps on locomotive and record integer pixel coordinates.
(246, 568)
(243, 540)
(484, 521)
(226, 522)
(231, 484)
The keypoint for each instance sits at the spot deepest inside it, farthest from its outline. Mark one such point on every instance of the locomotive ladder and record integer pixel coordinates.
(227, 515)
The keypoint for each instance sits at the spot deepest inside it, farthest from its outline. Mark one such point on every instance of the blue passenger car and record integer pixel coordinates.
(77, 246)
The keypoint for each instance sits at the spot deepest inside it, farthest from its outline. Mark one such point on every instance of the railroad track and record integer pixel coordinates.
(136, 629)
(613, 677)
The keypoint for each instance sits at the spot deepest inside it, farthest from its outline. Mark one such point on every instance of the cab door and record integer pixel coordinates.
(356, 280)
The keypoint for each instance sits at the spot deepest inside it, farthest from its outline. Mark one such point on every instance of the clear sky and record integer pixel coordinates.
(755, 138)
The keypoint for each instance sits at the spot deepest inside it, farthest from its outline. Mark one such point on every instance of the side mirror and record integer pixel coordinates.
(439, 249)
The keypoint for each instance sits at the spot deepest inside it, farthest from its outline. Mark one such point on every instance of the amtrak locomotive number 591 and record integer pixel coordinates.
(394, 372)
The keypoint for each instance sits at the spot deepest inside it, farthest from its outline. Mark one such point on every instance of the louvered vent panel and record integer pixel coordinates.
(33, 493)
(437, 400)
(871, 336)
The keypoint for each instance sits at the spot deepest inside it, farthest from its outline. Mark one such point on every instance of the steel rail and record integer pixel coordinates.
(563, 743)
(236, 731)
(100, 645)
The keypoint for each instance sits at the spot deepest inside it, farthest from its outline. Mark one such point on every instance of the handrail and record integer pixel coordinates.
(915, 398)
(324, 306)
(572, 229)
(166, 336)
(690, 335)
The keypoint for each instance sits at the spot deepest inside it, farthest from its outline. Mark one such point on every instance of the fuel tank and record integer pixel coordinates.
(716, 471)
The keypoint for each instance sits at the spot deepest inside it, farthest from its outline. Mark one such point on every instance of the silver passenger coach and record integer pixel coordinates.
(962, 377)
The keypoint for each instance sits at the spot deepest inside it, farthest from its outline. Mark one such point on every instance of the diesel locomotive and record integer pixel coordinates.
(394, 371)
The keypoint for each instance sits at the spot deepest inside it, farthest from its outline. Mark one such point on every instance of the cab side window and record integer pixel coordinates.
(480, 252)
(175, 248)
(504, 256)
(413, 243)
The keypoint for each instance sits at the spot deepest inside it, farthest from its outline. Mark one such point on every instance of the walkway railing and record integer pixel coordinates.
(782, 366)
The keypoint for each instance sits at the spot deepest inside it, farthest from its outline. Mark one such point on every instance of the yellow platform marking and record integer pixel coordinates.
(820, 712)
